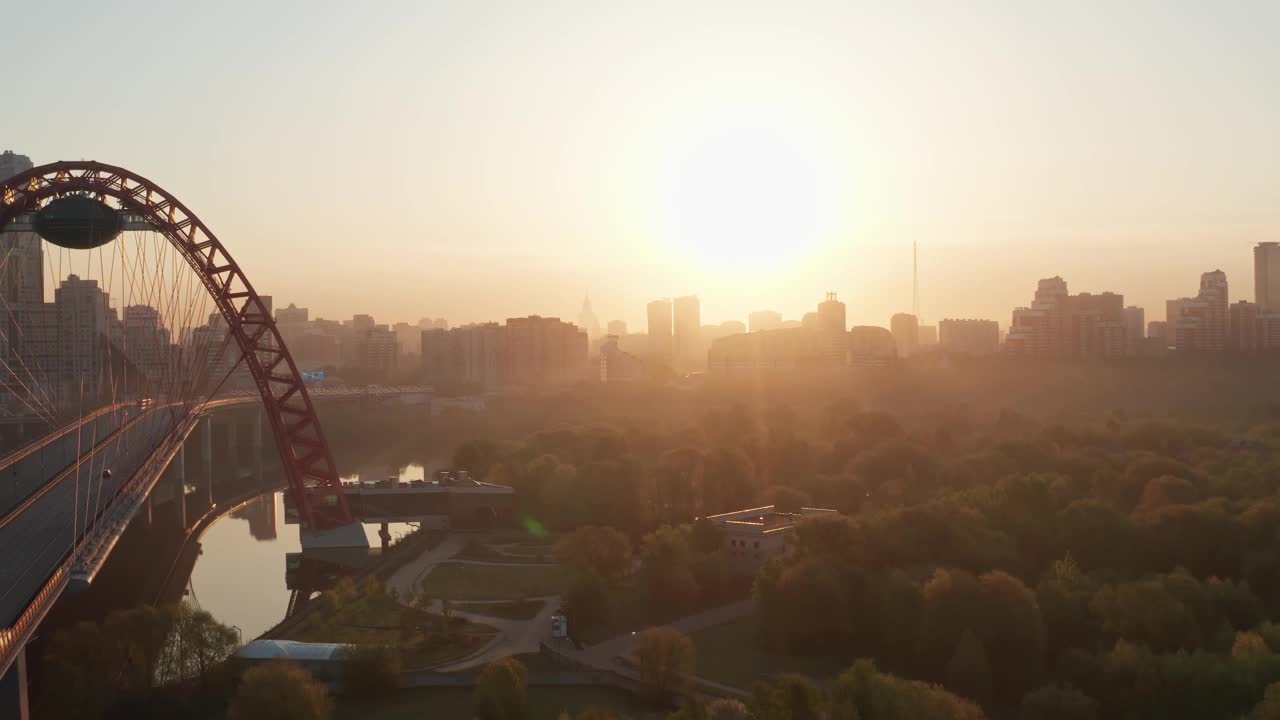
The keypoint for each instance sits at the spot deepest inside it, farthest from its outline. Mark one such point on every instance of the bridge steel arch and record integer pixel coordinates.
(308, 462)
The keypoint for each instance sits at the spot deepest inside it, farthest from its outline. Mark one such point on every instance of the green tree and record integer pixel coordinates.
(476, 456)
(588, 603)
(88, 672)
(665, 659)
(279, 691)
(667, 568)
(792, 697)
(864, 693)
(503, 690)
(140, 635)
(727, 709)
(600, 550)
(1057, 702)
(1269, 708)
(706, 535)
(969, 671)
(785, 498)
(197, 644)
(370, 670)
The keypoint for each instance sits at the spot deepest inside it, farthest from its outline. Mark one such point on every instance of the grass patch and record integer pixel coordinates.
(461, 581)
(728, 654)
(423, 638)
(506, 552)
(545, 703)
(507, 610)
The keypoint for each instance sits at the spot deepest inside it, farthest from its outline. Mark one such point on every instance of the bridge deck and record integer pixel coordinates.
(38, 539)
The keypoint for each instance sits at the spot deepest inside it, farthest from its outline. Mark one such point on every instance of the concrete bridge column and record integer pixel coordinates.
(233, 446)
(13, 690)
(257, 444)
(179, 470)
(206, 447)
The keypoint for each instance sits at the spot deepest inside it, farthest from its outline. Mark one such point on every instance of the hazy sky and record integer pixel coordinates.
(482, 159)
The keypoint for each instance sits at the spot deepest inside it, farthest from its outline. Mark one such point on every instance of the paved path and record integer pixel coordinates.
(515, 637)
(602, 653)
(408, 579)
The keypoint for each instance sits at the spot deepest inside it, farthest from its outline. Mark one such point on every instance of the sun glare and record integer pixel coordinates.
(748, 199)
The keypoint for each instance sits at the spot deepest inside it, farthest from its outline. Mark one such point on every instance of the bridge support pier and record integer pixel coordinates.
(13, 689)
(206, 451)
(179, 470)
(257, 445)
(233, 446)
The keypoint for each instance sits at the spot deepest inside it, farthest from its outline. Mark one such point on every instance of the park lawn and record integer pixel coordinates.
(465, 581)
(545, 703)
(506, 552)
(507, 610)
(380, 620)
(728, 654)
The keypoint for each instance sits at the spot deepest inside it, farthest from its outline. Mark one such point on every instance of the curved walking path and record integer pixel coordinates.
(514, 637)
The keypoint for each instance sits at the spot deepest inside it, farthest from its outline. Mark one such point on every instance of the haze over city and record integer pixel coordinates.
(484, 161)
(512, 360)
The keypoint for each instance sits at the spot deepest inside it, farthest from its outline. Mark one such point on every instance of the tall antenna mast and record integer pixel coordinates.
(915, 283)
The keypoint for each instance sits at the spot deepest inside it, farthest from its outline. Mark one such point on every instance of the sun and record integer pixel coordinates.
(748, 199)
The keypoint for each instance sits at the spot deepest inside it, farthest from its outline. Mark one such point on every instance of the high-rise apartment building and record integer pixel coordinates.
(361, 323)
(292, 315)
(1200, 324)
(1243, 327)
(587, 319)
(1158, 335)
(764, 320)
(618, 327)
(1213, 291)
(83, 330)
(831, 315)
(1266, 277)
(1058, 324)
(688, 349)
(531, 350)
(409, 340)
(12, 164)
(906, 333)
(616, 365)
(147, 341)
(22, 290)
(1094, 325)
(660, 328)
(1135, 326)
(974, 337)
(833, 335)
(544, 350)
(1038, 330)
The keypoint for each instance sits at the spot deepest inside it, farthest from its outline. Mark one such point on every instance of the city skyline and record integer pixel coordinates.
(865, 130)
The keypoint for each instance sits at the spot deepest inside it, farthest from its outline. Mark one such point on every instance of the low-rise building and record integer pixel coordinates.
(749, 537)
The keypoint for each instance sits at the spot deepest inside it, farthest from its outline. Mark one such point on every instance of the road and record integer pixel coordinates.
(39, 536)
(517, 637)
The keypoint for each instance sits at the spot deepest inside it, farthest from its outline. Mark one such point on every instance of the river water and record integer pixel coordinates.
(239, 576)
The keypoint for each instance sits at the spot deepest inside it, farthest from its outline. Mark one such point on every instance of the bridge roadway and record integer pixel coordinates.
(39, 533)
(46, 487)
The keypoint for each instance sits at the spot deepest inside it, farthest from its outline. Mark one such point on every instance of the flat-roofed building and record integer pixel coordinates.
(749, 537)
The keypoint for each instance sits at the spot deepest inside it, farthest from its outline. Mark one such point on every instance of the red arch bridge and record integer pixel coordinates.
(123, 322)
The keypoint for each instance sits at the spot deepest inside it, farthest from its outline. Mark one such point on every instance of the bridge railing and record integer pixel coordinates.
(89, 551)
(14, 638)
(43, 442)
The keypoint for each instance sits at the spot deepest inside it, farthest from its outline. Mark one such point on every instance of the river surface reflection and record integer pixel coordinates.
(240, 574)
